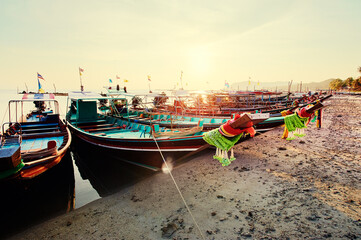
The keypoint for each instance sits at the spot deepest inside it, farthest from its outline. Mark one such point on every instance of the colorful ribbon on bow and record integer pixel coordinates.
(224, 138)
(296, 122)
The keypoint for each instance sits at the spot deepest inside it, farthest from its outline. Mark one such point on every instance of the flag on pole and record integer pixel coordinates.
(249, 80)
(258, 83)
(41, 77)
(40, 89)
(125, 80)
(81, 71)
(117, 77)
(110, 81)
(226, 84)
(149, 78)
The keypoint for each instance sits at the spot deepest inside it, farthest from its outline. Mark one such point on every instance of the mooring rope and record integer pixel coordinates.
(176, 185)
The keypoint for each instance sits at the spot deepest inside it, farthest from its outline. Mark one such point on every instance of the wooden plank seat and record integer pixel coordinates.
(78, 123)
(103, 129)
(42, 135)
(37, 130)
(132, 116)
(51, 149)
(96, 126)
(27, 126)
(139, 118)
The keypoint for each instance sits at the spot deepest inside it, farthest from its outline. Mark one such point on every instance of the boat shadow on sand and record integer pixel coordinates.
(25, 203)
(109, 173)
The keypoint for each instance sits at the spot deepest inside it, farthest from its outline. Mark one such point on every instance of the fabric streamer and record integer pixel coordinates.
(285, 113)
(295, 123)
(319, 118)
(224, 138)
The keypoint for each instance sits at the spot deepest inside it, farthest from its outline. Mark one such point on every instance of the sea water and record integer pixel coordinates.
(81, 177)
(84, 192)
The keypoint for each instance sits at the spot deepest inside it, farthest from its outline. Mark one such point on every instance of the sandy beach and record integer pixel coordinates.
(308, 188)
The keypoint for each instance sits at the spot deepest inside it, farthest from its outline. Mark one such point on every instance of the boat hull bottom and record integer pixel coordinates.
(152, 160)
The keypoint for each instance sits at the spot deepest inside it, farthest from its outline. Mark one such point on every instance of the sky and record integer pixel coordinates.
(210, 41)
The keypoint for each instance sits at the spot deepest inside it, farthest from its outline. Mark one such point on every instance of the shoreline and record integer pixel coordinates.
(276, 189)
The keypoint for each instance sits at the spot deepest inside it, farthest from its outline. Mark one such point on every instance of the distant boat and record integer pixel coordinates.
(35, 142)
(54, 93)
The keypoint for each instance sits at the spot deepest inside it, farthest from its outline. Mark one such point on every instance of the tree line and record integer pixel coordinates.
(349, 83)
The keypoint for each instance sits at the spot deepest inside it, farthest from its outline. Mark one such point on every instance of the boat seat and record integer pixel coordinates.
(148, 129)
(25, 131)
(51, 149)
(51, 118)
(81, 123)
(27, 126)
(42, 134)
(195, 119)
(96, 126)
(103, 129)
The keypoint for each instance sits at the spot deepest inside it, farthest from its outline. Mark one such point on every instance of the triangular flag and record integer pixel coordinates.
(39, 76)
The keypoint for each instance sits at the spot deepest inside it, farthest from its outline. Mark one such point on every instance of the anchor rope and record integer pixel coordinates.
(180, 193)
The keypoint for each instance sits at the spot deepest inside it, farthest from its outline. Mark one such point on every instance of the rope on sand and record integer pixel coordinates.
(176, 185)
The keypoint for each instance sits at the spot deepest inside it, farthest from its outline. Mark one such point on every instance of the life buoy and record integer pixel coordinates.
(13, 129)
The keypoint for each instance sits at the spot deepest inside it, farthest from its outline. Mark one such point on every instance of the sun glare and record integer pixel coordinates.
(200, 60)
(167, 168)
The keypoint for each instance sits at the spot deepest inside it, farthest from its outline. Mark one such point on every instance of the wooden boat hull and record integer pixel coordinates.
(143, 152)
(41, 139)
(35, 167)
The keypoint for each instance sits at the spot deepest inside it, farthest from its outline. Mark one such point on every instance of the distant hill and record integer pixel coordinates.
(279, 85)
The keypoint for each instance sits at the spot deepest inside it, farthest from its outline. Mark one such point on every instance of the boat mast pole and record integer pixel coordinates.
(81, 83)
(289, 91)
(181, 80)
(149, 80)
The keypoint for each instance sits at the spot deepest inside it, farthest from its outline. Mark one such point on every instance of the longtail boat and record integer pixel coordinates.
(35, 142)
(205, 104)
(175, 121)
(178, 120)
(91, 123)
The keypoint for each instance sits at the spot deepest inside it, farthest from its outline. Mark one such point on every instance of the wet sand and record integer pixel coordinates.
(276, 189)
